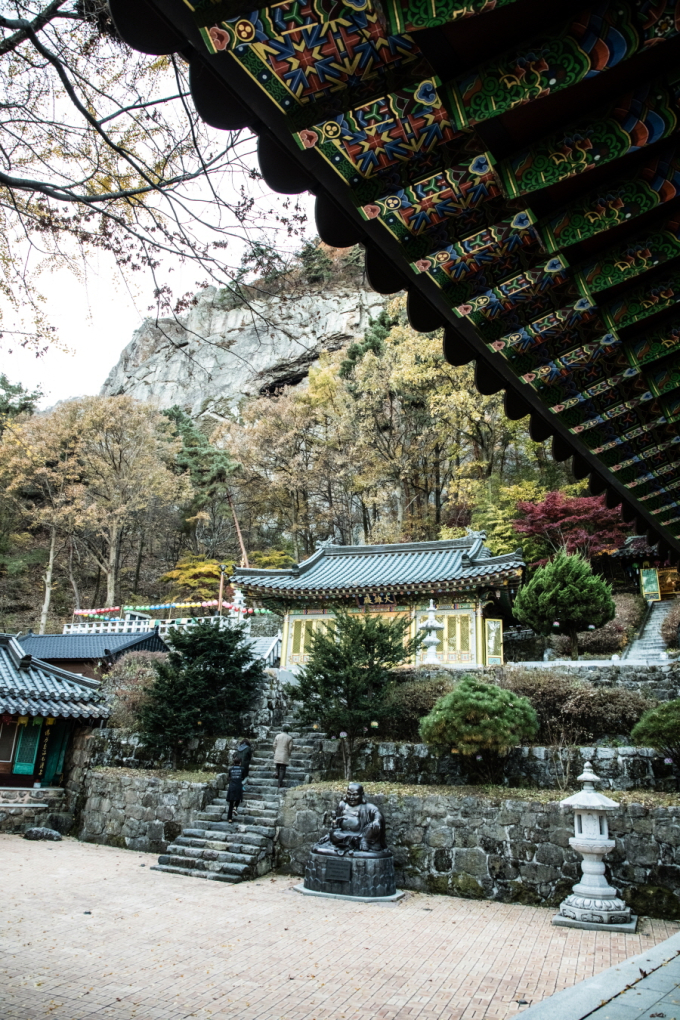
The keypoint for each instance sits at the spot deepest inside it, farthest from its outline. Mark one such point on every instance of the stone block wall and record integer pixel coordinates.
(620, 768)
(661, 682)
(138, 811)
(514, 850)
(23, 807)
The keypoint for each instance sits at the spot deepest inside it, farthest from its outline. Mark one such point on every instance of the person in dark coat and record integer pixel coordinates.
(235, 788)
(245, 754)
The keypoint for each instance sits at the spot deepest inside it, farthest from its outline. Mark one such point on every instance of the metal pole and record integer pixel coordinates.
(244, 554)
(219, 597)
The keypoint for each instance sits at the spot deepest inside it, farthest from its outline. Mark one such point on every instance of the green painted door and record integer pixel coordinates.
(27, 749)
(56, 750)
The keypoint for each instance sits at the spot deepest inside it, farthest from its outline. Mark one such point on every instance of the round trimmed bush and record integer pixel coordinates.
(477, 717)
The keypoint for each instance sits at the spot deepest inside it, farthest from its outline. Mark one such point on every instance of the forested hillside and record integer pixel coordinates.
(108, 501)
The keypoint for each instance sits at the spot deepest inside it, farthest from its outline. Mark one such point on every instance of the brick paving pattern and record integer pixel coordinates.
(86, 933)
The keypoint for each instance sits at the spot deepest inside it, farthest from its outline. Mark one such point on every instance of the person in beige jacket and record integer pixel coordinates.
(283, 746)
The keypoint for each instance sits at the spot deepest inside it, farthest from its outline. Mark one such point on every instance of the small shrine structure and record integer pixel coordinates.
(471, 588)
(40, 706)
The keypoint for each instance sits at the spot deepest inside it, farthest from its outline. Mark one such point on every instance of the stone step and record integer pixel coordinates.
(200, 864)
(255, 828)
(246, 819)
(230, 838)
(211, 876)
(225, 856)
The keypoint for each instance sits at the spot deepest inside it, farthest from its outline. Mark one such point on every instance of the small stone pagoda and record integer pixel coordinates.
(472, 591)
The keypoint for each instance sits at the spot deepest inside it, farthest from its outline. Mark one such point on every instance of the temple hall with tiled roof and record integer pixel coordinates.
(471, 588)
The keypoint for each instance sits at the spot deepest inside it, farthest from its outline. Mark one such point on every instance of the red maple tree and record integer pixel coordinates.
(574, 523)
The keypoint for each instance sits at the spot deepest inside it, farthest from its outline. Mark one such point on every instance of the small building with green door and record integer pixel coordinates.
(40, 706)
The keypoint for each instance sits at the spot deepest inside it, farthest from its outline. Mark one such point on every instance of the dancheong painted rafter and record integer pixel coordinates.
(513, 164)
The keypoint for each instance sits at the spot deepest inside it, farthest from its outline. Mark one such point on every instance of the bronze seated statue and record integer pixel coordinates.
(357, 828)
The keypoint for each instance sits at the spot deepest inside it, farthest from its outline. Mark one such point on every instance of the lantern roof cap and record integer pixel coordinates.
(589, 799)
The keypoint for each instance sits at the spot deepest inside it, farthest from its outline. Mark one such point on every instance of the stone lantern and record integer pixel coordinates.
(431, 640)
(593, 903)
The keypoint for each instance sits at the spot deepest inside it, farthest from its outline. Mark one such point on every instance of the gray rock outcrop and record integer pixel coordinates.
(209, 358)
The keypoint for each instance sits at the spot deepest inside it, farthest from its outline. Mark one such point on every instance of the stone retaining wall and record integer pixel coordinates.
(661, 682)
(23, 807)
(138, 811)
(621, 768)
(513, 850)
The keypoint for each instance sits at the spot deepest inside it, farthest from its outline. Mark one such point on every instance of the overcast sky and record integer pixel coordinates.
(95, 320)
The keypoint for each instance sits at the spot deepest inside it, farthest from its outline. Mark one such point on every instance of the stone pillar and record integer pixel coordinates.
(285, 640)
(479, 634)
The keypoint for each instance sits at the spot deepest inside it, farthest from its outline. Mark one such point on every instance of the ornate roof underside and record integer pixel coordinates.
(407, 568)
(514, 164)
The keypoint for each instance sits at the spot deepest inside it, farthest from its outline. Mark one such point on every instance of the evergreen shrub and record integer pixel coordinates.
(565, 597)
(476, 717)
(209, 679)
(660, 728)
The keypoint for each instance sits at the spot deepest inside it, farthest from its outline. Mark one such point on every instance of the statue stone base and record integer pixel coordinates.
(355, 877)
(352, 861)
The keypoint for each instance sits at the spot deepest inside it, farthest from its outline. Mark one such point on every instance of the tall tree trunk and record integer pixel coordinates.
(71, 575)
(96, 588)
(112, 570)
(48, 582)
(573, 641)
(139, 563)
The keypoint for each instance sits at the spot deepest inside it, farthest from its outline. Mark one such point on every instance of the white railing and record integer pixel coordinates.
(144, 626)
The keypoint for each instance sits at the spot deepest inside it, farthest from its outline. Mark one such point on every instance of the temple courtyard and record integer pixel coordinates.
(91, 932)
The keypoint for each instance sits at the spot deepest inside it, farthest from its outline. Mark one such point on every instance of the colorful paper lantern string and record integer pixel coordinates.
(98, 613)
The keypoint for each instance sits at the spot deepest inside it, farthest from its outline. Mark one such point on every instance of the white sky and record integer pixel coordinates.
(95, 319)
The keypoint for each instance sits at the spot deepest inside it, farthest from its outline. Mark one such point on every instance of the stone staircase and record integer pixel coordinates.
(650, 644)
(223, 851)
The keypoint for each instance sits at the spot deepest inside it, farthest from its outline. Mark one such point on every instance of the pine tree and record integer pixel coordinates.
(344, 686)
(478, 717)
(208, 680)
(564, 597)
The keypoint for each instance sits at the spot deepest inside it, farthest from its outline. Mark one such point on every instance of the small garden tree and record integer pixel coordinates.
(574, 523)
(564, 597)
(480, 719)
(208, 680)
(126, 686)
(344, 686)
(660, 728)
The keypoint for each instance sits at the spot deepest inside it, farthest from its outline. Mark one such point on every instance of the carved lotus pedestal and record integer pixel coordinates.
(593, 903)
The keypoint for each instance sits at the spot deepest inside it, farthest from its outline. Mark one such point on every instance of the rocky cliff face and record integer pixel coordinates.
(209, 358)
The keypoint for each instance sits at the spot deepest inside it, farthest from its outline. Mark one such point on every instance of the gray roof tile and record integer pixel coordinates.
(86, 646)
(337, 568)
(29, 686)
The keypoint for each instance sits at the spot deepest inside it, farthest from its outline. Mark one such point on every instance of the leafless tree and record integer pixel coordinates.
(101, 150)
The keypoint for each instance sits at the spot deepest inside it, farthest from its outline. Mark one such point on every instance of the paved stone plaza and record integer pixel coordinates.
(87, 932)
